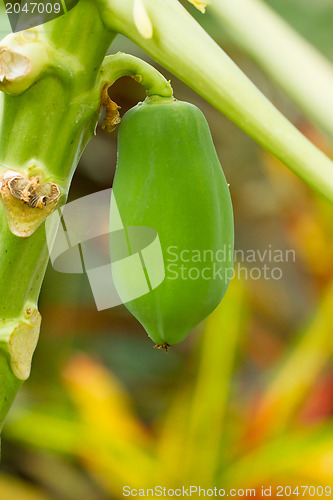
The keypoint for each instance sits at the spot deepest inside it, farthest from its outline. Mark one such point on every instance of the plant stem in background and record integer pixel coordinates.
(298, 68)
(180, 44)
(291, 381)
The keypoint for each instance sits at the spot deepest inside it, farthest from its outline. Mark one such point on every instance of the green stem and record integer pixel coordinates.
(9, 385)
(118, 65)
(184, 48)
(298, 68)
(44, 129)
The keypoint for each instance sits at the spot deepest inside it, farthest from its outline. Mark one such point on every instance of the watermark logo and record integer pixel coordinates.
(226, 263)
(122, 263)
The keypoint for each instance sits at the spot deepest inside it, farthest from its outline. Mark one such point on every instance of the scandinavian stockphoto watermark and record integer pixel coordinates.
(123, 263)
(211, 264)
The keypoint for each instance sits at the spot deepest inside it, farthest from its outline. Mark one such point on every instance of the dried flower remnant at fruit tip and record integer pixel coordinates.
(164, 346)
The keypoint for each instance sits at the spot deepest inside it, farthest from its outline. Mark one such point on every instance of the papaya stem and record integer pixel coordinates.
(49, 110)
(9, 385)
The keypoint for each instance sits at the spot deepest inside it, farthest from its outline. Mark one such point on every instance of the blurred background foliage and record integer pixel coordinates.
(247, 399)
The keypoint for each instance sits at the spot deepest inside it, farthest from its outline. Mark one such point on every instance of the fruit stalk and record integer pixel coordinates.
(117, 65)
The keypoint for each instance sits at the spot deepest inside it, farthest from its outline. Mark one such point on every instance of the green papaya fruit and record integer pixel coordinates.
(169, 178)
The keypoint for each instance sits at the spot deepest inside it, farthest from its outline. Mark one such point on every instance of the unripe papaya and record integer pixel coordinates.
(169, 178)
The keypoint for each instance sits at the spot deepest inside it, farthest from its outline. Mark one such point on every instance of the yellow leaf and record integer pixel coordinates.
(101, 399)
